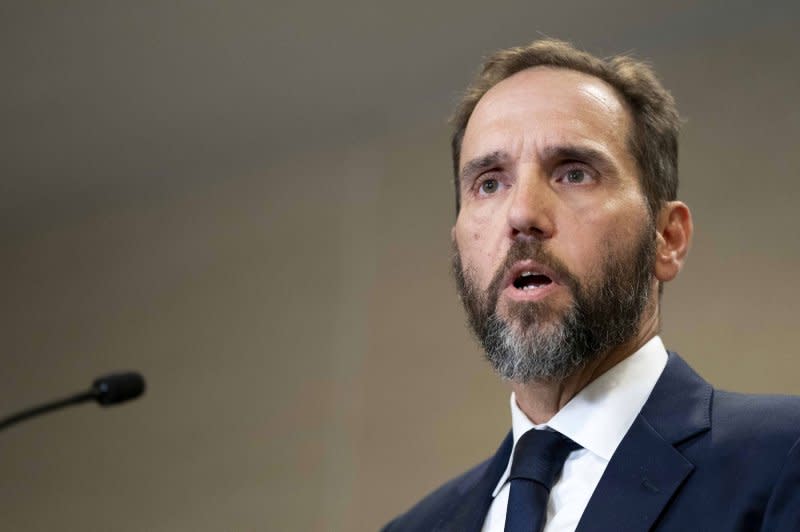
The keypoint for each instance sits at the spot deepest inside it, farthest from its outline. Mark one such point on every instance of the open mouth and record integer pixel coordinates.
(530, 280)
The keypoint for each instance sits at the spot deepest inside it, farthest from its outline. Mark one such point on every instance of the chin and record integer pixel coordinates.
(541, 315)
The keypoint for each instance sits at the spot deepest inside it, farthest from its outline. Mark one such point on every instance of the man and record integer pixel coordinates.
(568, 225)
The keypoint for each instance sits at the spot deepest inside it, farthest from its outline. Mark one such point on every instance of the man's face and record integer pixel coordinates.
(554, 242)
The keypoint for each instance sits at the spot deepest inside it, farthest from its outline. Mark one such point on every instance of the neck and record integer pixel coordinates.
(541, 400)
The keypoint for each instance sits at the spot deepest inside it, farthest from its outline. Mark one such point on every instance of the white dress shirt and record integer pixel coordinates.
(597, 418)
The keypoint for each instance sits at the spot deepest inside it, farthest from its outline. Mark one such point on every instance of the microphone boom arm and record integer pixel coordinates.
(47, 407)
(108, 390)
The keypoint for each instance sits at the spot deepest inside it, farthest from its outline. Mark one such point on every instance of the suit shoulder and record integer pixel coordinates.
(772, 418)
(426, 513)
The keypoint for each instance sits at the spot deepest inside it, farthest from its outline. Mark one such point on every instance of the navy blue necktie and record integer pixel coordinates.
(538, 459)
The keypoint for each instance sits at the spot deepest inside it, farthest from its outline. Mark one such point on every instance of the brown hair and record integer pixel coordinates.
(654, 136)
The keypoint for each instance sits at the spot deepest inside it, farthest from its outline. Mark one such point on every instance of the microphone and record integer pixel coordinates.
(108, 390)
(117, 388)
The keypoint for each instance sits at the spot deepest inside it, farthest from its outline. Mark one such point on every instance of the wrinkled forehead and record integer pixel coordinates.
(537, 107)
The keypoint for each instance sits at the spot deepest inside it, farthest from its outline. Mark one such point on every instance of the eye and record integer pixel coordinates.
(489, 186)
(576, 176)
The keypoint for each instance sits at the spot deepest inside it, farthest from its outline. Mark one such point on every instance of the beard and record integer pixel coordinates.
(537, 342)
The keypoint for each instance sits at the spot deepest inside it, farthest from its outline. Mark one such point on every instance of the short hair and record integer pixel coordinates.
(655, 121)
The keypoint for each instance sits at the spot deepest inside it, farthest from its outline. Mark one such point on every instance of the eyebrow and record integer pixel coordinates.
(584, 154)
(484, 162)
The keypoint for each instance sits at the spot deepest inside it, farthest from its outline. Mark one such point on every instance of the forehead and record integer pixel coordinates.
(543, 106)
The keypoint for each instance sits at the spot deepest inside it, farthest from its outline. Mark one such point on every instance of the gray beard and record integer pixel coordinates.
(533, 355)
(525, 347)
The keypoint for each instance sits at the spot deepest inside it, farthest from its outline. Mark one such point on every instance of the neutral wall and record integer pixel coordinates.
(251, 204)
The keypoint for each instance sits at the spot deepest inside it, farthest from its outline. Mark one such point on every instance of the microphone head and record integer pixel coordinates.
(118, 388)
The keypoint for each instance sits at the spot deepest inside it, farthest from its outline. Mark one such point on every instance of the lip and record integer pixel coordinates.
(513, 293)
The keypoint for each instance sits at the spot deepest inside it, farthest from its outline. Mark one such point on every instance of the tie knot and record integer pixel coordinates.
(540, 455)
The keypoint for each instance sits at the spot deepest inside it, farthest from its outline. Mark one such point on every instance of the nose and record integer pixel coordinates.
(531, 205)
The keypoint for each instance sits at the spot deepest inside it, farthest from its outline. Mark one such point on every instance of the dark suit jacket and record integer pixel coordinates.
(695, 459)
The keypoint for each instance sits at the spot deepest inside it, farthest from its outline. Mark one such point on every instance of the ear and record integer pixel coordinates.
(673, 239)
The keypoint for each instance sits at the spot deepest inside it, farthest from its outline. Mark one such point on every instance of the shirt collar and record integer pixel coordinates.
(599, 416)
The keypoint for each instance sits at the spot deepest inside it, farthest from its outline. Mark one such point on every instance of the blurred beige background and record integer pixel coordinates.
(250, 203)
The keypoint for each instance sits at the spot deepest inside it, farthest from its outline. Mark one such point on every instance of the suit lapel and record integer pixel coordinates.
(646, 470)
(468, 511)
(640, 479)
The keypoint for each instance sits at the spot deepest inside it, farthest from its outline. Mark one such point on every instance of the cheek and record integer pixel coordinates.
(479, 242)
(600, 231)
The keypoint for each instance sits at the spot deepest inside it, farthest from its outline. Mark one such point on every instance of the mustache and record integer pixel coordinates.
(531, 250)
